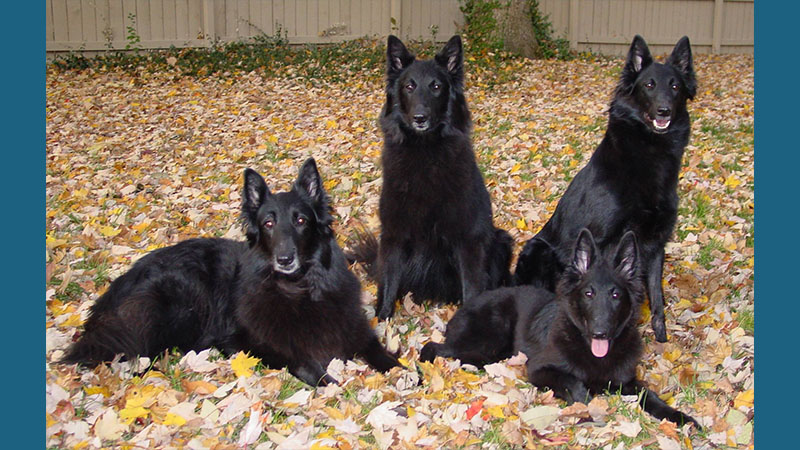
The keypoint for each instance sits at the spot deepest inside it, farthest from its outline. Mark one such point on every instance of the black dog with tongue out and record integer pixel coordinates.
(630, 183)
(580, 341)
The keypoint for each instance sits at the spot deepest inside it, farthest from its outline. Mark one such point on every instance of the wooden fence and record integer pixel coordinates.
(602, 26)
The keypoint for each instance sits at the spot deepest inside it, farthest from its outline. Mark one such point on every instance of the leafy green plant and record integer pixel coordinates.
(549, 46)
(480, 26)
(482, 30)
(132, 37)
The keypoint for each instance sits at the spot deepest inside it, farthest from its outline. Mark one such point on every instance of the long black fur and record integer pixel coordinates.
(437, 238)
(580, 341)
(630, 182)
(285, 295)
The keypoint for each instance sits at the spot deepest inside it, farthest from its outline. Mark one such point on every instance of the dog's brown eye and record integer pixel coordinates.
(268, 224)
(589, 294)
(410, 87)
(650, 84)
(675, 87)
(436, 86)
(301, 220)
(615, 295)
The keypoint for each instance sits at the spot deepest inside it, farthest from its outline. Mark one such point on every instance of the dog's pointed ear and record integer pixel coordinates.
(638, 56)
(585, 251)
(681, 59)
(397, 56)
(253, 195)
(627, 257)
(309, 182)
(451, 57)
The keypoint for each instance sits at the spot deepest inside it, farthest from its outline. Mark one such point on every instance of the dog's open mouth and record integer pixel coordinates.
(420, 126)
(290, 269)
(599, 347)
(660, 125)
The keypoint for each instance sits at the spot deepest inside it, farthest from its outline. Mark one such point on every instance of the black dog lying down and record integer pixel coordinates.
(286, 295)
(579, 342)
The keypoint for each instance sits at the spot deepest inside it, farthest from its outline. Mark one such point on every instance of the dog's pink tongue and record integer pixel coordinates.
(599, 347)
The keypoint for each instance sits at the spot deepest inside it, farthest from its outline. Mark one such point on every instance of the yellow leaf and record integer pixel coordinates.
(174, 419)
(139, 227)
(242, 364)
(199, 387)
(52, 242)
(130, 414)
(108, 231)
(744, 399)
(668, 398)
(330, 124)
(330, 183)
(673, 355)
(97, 390)
(318, 446)
(521, 224)
(272, 138)
(496, 411)
(73, 321)
(683, 304)
(334, 413)
(706, 384)
(732, 182)
(79, 193)
(516, 168)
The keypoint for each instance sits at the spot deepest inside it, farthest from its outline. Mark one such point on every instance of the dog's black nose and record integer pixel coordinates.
(664, 111)
(600, 335)
(420, 118)
(285, 260)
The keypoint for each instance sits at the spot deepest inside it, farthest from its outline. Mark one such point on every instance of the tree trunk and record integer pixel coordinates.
(516, 27)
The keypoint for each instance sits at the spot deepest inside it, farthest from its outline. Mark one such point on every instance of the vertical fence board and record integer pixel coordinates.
(142, 19)
(157, 20)
(169, 20)
(74, 22)
(48, 22)
(267, 18)
(88, 18)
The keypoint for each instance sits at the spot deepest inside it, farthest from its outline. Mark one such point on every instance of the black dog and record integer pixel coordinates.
(437, 239)
(579, 342)
(286, 295)
(631, 181)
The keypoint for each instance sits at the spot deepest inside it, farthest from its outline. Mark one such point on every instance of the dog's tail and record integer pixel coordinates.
(362, 248)
(103, 338)
(499, 260)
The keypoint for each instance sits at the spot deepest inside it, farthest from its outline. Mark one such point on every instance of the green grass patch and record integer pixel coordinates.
(706, 254)
(746, 319)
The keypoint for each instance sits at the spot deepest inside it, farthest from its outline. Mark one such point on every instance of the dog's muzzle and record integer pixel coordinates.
(286, 265)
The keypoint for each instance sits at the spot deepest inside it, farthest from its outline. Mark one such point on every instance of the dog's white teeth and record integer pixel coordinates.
(660, 125)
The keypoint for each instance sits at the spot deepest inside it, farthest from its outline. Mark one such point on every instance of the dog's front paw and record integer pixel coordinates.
(429, 352)
(659, 329)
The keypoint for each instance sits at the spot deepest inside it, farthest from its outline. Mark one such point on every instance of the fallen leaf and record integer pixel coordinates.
(242, 364)
(540, 417)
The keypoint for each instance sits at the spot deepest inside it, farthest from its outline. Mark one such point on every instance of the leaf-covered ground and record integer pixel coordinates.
(137, 161)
